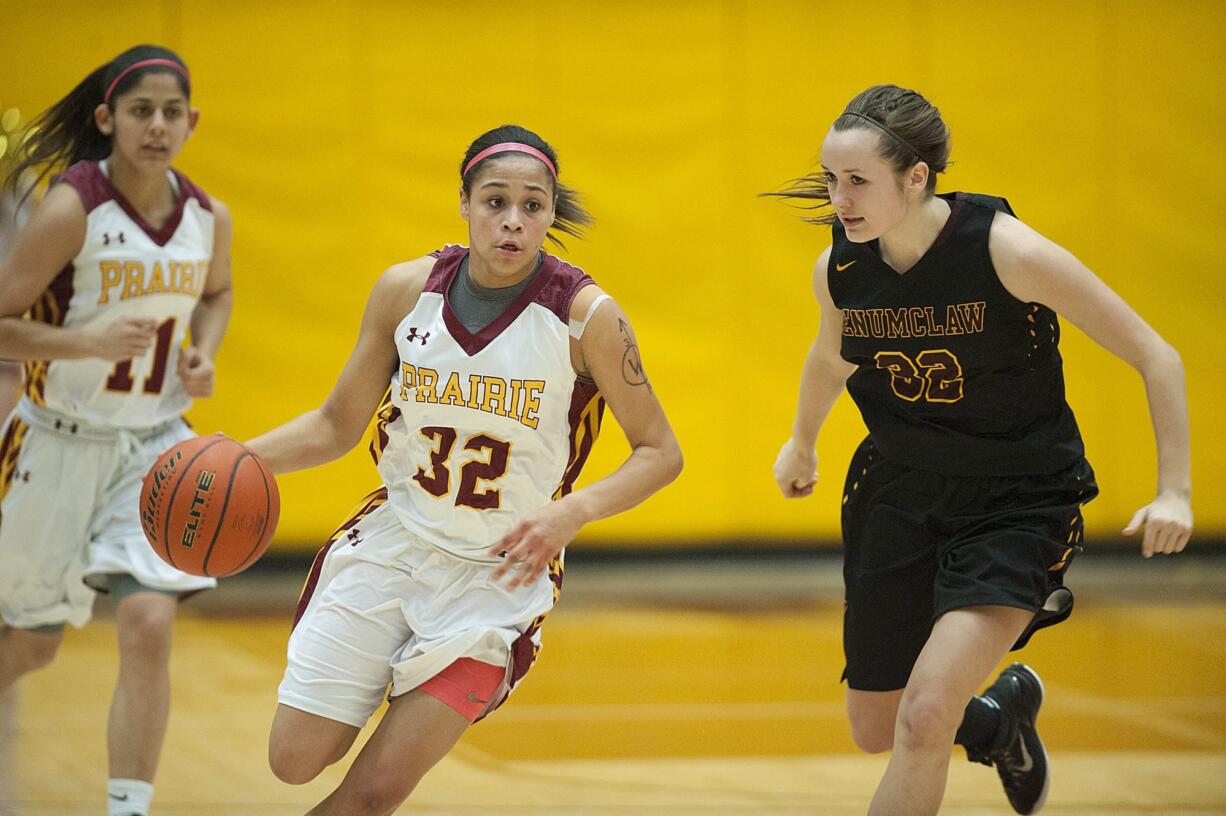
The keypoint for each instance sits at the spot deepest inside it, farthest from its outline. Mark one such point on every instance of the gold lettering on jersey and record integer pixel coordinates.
(112, 274)
(953, 321)
(895, 324)
(453, 393)
(972, 316)
(915, 321)
(133, 280)
(519, 400)
(495, 390)
(513, 397)
(426, 378)
(157, 283)
(187, 276)
(408, 380)
(532, 401)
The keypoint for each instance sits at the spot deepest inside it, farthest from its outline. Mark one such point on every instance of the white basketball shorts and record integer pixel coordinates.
(69, 512)
(382, 606)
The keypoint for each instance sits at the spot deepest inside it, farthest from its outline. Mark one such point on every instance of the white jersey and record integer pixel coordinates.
(125, 268)
(479, 429)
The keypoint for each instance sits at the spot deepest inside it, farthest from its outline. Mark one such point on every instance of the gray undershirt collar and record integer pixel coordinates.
(477, 306)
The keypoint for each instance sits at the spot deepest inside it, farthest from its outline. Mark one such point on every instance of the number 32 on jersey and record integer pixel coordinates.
(486, 462)
(935, 375)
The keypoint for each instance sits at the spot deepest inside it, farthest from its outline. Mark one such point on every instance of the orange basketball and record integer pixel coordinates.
(209, 506)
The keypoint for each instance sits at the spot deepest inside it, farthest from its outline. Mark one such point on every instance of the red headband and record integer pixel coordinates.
(106, 97)
(510, 147)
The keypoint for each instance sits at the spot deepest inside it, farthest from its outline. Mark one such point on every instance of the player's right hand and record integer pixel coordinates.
(124, 339)
(796, 469)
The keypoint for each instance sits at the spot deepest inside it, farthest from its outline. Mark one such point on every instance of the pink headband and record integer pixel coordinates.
(510, 147)
(106, 98)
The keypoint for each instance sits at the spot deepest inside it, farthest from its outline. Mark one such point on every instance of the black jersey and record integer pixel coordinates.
(954, 374)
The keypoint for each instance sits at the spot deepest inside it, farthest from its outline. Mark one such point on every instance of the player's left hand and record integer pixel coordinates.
(196, 371)
(536, 541)
(1168, 524)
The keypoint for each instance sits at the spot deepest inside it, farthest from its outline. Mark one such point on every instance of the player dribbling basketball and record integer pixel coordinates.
(121, 257)
(499, 358)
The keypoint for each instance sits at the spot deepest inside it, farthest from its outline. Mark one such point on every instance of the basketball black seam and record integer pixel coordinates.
(267, 508)
(170, 501)
(204, 565)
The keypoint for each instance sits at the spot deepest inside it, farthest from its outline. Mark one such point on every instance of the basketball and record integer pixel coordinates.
(209, 506)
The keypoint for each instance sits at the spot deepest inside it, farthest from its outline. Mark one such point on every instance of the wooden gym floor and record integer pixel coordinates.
(693, 685)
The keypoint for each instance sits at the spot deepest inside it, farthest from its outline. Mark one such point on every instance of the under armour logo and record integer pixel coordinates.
(21, 475)
(352, 535)
(106, 238)
(413, 335)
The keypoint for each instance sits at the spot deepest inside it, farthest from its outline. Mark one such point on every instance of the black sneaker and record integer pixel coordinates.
(1018, 752)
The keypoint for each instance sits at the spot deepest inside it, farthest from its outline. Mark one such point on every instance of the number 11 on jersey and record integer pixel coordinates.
(121, 377)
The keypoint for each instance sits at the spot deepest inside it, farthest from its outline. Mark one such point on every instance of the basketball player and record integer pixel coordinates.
(14, 211)
(962, 507)
(499, 358)
(12, 217)
(123, 255)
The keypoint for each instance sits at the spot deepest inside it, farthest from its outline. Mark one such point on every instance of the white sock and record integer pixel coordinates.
(128, 797)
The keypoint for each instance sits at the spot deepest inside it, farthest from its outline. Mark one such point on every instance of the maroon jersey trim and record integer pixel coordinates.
(554, 287)
(88, 180)
(386, 415)
(50, 308)
(584, 418)
(95, 189)
(367, 506)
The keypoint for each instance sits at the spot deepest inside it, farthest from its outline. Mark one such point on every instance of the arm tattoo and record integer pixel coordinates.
(632, 363)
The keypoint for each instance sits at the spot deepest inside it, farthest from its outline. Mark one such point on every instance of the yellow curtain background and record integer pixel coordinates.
(334, 131)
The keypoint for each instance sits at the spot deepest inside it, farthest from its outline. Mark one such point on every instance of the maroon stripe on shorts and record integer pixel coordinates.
(364, 509)
(524, 650)
(10, 450)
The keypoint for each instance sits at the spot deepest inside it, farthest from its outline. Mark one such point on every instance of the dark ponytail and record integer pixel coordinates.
(569, 215)
(66, 133)
(910, 130)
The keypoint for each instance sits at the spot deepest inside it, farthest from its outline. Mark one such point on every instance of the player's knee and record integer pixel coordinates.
(871, 717)
(927, 721)
(28, 651)
(292, 765)
(872, 737)
(296, 761)
(145, 633)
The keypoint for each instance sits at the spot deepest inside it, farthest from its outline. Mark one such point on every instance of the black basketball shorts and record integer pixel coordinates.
(917, 544)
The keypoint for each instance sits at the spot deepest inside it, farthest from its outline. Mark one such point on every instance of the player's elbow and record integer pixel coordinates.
(1171, 356)
(1160, 357)
(672, 460)
(338, 433)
